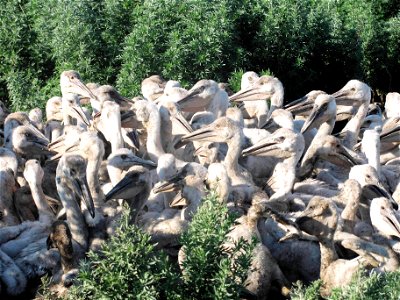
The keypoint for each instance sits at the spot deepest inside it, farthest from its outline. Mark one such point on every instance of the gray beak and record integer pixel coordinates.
(82, 190)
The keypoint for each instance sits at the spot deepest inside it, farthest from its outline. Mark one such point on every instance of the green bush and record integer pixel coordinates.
(209, 271)
(128, 266)
(363, 287)
(307, 44)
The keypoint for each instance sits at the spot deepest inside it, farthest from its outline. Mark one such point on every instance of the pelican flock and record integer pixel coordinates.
(321, 204)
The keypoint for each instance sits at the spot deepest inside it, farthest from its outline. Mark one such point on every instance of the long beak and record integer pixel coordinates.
(37, 132)
(179, 200)
(317, 111)
(250, 94)
(63, 151)
(56, 142)
(142, 162)
(82, 190)
(174, 183)
(85, 91)
(267, 124)
(300, 106)
(77, 113)
(377, 190)
(199, 134)
(127, 188)
(171, 185)
(180, 119)
(41, 141)
(344, 153)
(260, 148)
(392, 221)
(392, 135)
(187, 102)
(133, 136)
(296, 103)
(342, 98)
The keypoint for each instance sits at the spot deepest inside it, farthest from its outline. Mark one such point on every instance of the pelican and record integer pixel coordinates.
(303, 106)
(190, 181)
(71, 184)
(152, 87)
(71, 83)
(284, 144)
(320, 219)
(264, 270)
(253, 109)
(355, 93)
(205, 95)
(266, 87)
(148, 113)
(225, 130)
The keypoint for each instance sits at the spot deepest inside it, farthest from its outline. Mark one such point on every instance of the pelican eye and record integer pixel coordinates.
(368, 121)
(382, 207)
(72, 77)
(337, 146)
(281, 138)
(73, 172)
(352, 89)
(368, 176)
(27, 135)
(124, 156)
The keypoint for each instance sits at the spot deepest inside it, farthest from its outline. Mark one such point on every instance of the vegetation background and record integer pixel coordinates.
(307, 44)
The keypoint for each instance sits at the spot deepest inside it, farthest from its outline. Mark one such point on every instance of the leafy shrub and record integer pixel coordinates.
(116, 25)
(209, 271)
(307, 44)
(362, 287)
(128, 266)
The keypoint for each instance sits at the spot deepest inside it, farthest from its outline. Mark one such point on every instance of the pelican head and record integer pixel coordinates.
(28, 142)
(303, 105)
(383, 217)
(72, 107)
(368, 178)
(199, 96)
(332, 149)
(71, 83)
(33, 172)
(248, 79)
(280, 118)
(353, 93)
(124, 159)
(153, 87)
(71, 170)
(220, 131)
(109, 93)
(282, 143)
(132, 184)
(53, 109)
(324, 109)
(319, 218)
(186, 175)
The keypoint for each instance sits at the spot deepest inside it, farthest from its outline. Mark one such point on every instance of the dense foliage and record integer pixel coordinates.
(307, 44)
(363, 287)
(129, 267)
